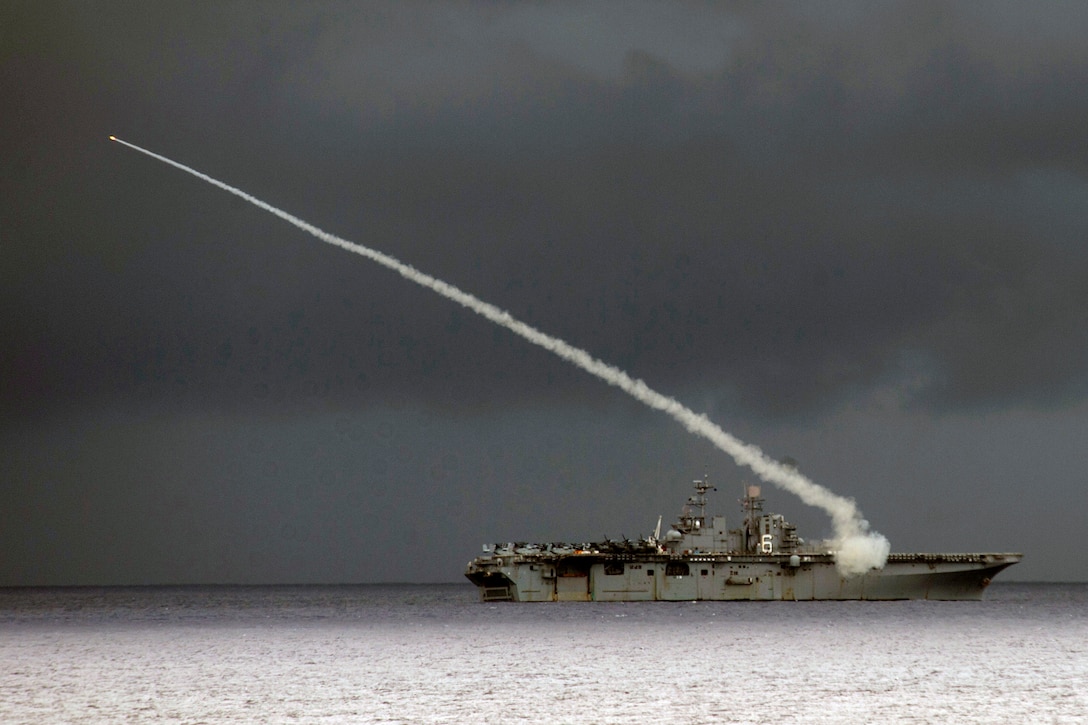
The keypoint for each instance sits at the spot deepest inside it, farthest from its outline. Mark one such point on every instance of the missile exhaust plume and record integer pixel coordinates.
(856, 548)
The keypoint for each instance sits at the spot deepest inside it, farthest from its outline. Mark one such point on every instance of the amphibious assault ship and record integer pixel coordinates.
(700, 558)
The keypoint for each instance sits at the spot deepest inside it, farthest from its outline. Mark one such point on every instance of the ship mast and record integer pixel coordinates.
(693, 517)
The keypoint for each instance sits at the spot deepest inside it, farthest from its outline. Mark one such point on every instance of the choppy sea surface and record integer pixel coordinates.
(434, 653)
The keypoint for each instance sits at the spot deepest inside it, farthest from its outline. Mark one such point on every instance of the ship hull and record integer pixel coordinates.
(663, 577)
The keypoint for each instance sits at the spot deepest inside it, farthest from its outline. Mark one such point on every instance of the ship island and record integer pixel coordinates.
(700, 558)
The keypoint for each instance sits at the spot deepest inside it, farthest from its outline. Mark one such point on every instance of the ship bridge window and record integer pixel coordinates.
(613, 568)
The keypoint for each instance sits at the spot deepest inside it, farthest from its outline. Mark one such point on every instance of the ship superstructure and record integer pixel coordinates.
(700, 558)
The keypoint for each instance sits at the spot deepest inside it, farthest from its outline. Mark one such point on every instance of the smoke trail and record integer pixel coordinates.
(857, 549)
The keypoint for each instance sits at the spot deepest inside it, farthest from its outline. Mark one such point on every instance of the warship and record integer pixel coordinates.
(699, 558)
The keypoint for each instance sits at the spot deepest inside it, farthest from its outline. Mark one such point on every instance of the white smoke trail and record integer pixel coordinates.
(857, 549)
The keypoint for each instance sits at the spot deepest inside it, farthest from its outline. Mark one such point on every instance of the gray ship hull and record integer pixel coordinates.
(544, 577)
(701, 558)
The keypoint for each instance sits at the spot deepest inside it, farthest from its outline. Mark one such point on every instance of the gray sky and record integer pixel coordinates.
(852, 234)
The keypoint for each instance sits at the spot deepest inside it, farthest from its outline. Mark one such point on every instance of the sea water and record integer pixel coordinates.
(434, 653)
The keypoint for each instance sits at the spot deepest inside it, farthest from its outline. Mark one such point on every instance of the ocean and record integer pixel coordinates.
(435, 654)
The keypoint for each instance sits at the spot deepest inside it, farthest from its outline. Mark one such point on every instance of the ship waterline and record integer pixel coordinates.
(700, 559)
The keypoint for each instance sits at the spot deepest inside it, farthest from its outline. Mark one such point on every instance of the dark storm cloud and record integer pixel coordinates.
(827, 225)
(787, 206)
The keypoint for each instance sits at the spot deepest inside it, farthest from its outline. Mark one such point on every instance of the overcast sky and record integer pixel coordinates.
(852, 234)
